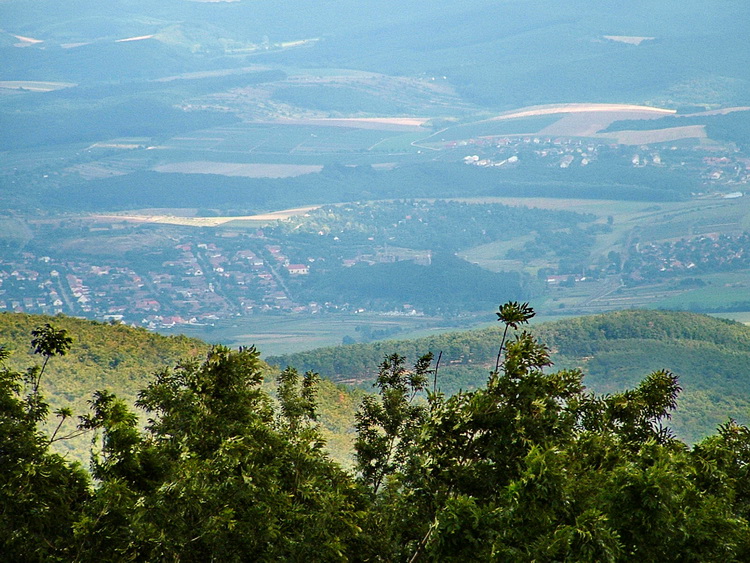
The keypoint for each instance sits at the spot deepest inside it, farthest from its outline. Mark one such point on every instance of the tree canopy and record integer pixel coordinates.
(530, 466)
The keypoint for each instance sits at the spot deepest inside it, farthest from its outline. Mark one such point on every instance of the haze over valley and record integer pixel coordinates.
(145, 144)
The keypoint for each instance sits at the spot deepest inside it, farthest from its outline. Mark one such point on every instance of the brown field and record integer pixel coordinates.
(239, 169)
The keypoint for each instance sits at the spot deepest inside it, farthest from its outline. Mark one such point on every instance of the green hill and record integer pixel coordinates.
(615, 351)
(122, 359)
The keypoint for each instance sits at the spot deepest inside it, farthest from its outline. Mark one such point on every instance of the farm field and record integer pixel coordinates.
(724, 291)
(282, 138)
(492, 127)
(491, 256)
(742, 317)
(570, 120)
(32, 86)
(648, 221)
(239, 169)
(250, 221)
(275, 335)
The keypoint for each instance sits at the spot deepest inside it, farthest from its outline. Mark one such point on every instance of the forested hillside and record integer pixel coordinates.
(122, 360)
(711, 356)
(530, 466)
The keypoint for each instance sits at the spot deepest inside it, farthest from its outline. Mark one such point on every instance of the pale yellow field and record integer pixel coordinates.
(24, 41)
(582, 108)
(586, 120)
(629, 39)
(138, 38)
(206, 221)
(378, 123)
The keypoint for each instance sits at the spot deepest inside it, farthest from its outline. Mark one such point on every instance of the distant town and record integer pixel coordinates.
(200, 283)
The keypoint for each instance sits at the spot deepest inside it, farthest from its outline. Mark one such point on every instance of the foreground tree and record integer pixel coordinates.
(41, 495)
(220, 474)
(533, 467)
(530, 467)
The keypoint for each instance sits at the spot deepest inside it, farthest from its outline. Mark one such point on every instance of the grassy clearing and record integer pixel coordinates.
(33, 85)
(14, 234)
(277, 138)
(399, 143)
(652, 136)
(741, 317)
(491, 256)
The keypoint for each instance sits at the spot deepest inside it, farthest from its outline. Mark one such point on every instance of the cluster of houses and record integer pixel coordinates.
(199, 284)
(701, 254)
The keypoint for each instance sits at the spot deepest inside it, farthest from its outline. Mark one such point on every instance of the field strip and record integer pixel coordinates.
(629, 39)
(245, 170)
(580, 108)
(138, 38)
(377, 123)
(35, 85)
(27, 40)
(207, 221)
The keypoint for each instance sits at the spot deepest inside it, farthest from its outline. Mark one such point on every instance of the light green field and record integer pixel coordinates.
(275, 335)
(14, 233)
(33, 85)
(741, 317)
(399, 143)
(491, 256)
(723, 291)
(492, 128)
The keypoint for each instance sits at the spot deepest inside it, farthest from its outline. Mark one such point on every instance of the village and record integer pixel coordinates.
(204, 278)
(708, 253)
(204, 283)
(716, 165)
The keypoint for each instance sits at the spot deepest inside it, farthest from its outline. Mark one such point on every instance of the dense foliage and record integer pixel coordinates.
(121, 359)
(615, 350)
(447, 285)
(531, 466)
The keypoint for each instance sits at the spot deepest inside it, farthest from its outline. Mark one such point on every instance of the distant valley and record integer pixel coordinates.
(145, 149)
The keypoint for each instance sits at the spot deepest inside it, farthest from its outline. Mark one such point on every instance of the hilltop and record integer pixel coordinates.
(615, 350)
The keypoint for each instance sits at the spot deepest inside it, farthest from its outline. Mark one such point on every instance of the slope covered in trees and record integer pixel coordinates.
(528, 467)
(121, 359)
(711, 356)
